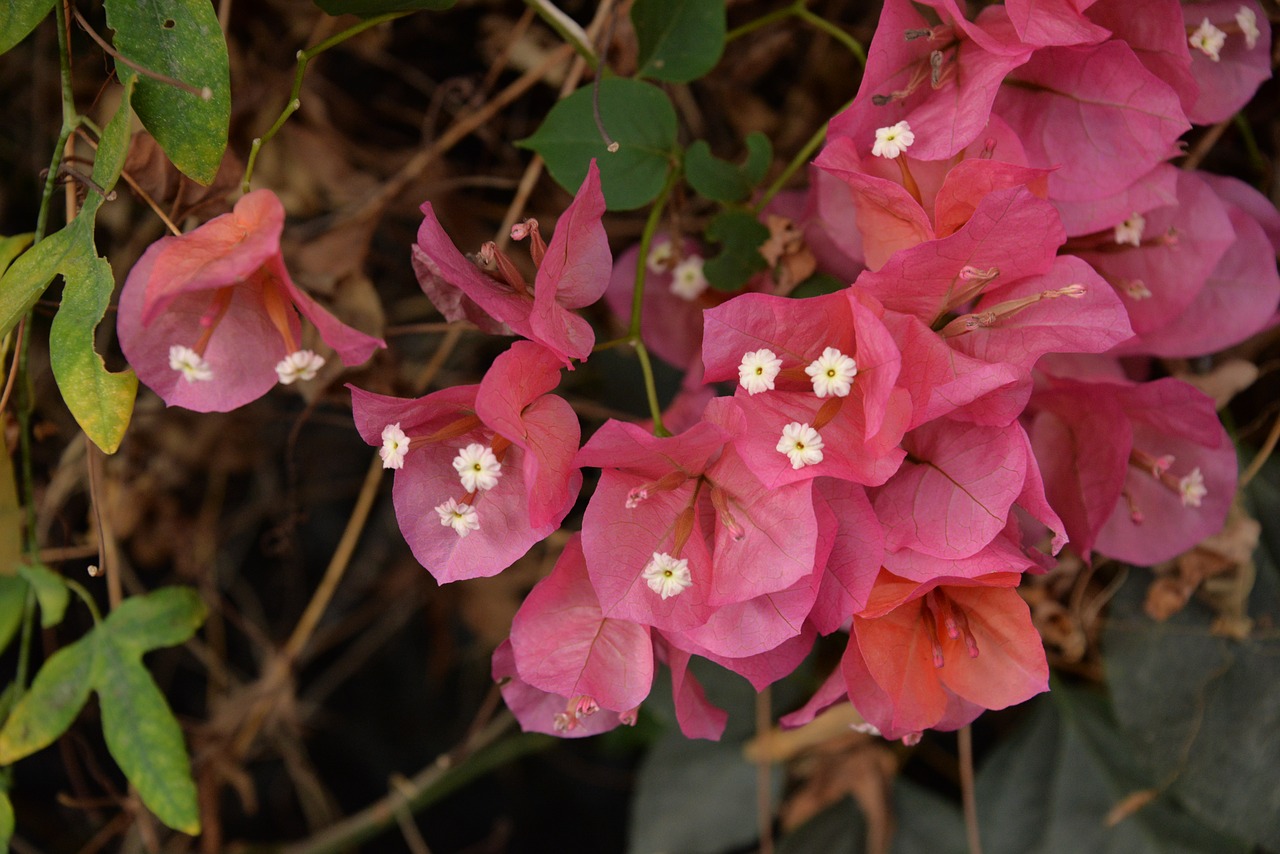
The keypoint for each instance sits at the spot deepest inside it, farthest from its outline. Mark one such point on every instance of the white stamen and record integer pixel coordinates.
(301, 365)
(660, 257)
(666, 575)
(832, 373)
(1208, 39)
(1248, 23)
(802, 445)
(892, 141)
(1130, 231)
(1192, 488)
(477, 467)
(758, 370)
(1137, 289)
(190, 363)
(461, 517)
(395, 444)
(687, 280)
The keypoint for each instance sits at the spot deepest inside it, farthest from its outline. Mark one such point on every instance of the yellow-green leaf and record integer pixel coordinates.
(166, 617)
(51, 593)
(19, 18)
(57, 694)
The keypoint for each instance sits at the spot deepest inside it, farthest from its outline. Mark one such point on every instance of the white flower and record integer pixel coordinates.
(1208, 39)
(190, 363)
(1130, 231)
(802, 445)
(461, 517)
(1248, 23)
(687, 281)
(395, 444)
(666, 575)
(301, 365)
(892, 141)
(758, 370)
(477, 467)
(832, 373)
(660, 255)
(1192, 488)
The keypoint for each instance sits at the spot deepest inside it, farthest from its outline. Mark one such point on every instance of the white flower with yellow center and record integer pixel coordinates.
(893, 140)
(1248, 23)
(1192, 489)
(687, 281)
(1130, 231)
(666, 575)
(395, 444)
(1208, 39)
(190, 363)
(832, 373)
(660, 256)
(477, 467)
(758, 370)
(461, 517)
(802, 445)
(301, 365)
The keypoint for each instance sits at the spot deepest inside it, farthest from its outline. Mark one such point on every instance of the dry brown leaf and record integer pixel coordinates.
(176, 194)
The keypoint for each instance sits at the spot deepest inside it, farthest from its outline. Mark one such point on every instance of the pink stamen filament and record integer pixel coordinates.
(209, 321)
(669, 481)
(720, 500)
(1156, 467)
(279, 310)
(967, 323)
(939, 608)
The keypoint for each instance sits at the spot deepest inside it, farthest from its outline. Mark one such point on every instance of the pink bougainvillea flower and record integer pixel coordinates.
(935, 655)
(762, 668)
(563, 643)
(845, 513)
(573, 272)
(1231, 64)
(1046, 23)
(670, 319)
(483, 472)
(552, 714)
(940, 78)
(697, 717)
(1138, 471)
(209, 319)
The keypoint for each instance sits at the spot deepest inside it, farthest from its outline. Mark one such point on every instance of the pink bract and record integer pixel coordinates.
(223, 290)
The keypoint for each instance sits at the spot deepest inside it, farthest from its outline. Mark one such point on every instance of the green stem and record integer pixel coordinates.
(70, 121)
(855, 47)
(1256, 159)
(637, 299)
(78, 589)
(801, 158)
(294, 103)
(567, 29)
(761, 22)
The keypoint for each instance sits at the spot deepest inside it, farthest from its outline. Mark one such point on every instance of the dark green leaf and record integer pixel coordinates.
(369, 8)
(6, 821)
(740, 259)
(817, 285)
(927, 822)
(1202, 710)
(722, 181)
(144, 737)
(24, 282)
(838, 829)
(680, 40)
(179, 39)
(101, 401)
(57, 694)
(18, 18)
(13, 600)
(51, 593)
(638, 116)
(695, 797)
(165, 617)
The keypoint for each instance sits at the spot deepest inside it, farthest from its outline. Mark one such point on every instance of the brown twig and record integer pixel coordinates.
(13, 367)
(204, 93)
(764, 768)
(965, 741)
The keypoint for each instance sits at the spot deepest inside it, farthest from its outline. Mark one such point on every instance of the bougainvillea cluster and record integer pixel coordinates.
(885, 460)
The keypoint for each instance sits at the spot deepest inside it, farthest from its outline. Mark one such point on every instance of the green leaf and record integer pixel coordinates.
(740, 259)
(113, 147)
(722, 181)
(51, 593)
(13, 600)
(369, 8)
(1202, 710)
(6, 821)
(24, 282)
(57, 694)
(638, 116)
(19, 18)
(12, 519)
(680, 40)
(143, 735)
(817, 285)
(695, 797)
(179, 39)
(838, 829)
(12, 247)
(100, 400)
(166, 617)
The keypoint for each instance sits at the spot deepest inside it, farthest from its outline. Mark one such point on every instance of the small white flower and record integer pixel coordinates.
(1130, 231)
(461, 517)
(687, 281)
(1208, 39)
(832, 373)
(892, 141)
(190, 363)
(666, 575)
(477, 467)
(395, 444)
(301, 365)
(1248, 23)
(802, 445)
(660, 255)
(1136, 289)
(1192, 488)
(758, 370)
